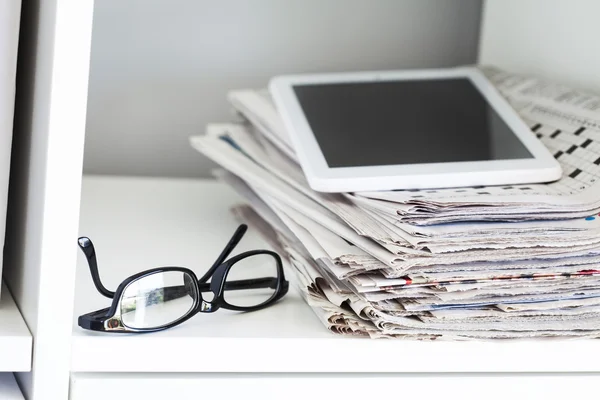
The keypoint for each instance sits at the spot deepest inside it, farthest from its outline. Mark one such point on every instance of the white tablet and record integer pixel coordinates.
(413, 129)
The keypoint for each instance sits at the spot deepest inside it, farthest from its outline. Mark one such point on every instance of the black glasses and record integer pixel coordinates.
(161, 298)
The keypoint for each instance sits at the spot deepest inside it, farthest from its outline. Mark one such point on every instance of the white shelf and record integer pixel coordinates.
(84, 386)
(141, 223)
(9, 390)
(15, 339)
(137, 224)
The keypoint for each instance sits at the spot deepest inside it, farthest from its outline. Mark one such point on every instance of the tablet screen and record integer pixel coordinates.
(406, 122)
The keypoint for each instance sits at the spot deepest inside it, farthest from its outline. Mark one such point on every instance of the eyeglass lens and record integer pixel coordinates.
(157, 300)
(261, 268)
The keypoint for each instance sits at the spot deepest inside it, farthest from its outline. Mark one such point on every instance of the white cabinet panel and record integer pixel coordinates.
(556, 39)
(9, 390)
(10, 12)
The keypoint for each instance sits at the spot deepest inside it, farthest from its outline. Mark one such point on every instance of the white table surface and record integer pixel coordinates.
(15, 338)
(140, 223)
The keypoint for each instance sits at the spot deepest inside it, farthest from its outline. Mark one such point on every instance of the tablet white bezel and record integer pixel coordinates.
(541, 168)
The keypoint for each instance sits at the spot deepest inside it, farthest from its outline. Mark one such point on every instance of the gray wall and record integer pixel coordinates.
(160, 69)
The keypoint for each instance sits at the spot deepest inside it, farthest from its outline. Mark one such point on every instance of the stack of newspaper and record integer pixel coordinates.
(486, 262)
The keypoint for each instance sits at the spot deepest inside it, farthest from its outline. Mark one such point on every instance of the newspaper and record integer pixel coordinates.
(319, 255)
(327, 305)
(385, 267)
(336, 216)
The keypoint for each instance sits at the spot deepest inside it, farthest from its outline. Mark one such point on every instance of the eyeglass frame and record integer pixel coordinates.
(110, 319)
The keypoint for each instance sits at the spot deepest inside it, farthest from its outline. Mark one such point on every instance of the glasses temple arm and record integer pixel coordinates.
(86, 245)
(176, 292)
(243, 284)
(235, 239)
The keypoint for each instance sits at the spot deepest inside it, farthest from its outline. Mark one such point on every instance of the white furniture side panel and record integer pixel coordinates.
(556, 39)
(45, 184)
(15, 339)
(9, 390)
(10, 12)
(330, 386)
